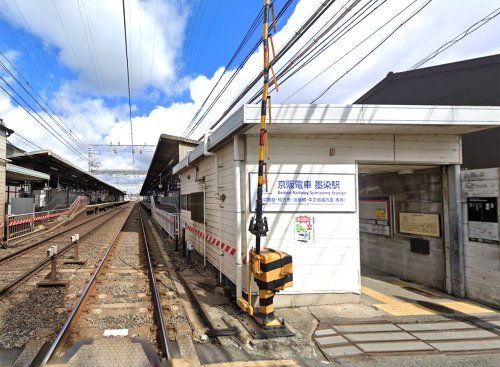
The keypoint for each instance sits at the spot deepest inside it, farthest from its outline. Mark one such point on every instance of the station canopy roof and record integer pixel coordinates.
(321, 119)
(19, 174)
(58, 168)
(165, 157)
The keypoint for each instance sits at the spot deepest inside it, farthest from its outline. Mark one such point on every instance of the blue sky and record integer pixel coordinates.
(72, 54)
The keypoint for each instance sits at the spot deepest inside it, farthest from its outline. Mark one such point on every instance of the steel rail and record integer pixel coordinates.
(162, 332)
(40, 242)
(64, 332)
(18, 281)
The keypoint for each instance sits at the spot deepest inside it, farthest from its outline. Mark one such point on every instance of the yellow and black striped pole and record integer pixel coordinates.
(259, 227)
(272, 270)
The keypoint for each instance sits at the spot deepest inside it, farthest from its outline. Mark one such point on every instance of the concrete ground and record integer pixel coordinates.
(396, 323)
(399, 322)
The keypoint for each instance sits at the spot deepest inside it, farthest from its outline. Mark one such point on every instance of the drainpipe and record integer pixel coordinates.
(237, 196)
(206, 153)
(204, 224)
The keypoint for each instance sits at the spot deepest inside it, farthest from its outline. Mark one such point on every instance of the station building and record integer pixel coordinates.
(350, 188)
(474, 82)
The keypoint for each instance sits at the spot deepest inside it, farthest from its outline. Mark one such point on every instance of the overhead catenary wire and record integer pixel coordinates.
(474, 27)
(371, 51)
(44, 125)
(22, 39)
(52, 114)
(16, 134)
(48, 127)
(128, 84)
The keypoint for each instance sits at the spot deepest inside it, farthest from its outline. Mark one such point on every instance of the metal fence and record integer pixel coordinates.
(22, 224)
(170, 222)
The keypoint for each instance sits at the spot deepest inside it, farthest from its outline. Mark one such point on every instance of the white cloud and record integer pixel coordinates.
(104, 36)
(94, 122)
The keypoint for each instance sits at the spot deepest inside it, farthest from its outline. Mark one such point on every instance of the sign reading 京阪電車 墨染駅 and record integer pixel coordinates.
(311, 192)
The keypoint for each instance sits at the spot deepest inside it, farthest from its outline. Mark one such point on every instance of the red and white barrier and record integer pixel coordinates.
(22, 224)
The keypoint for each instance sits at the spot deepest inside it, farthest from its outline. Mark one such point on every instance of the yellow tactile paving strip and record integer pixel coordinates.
(397, 307)
(276, 363)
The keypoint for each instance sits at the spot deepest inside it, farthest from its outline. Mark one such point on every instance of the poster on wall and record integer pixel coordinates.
(482, 214)
(304, 228)
(312, 192)
(420, 224)
(375, 215)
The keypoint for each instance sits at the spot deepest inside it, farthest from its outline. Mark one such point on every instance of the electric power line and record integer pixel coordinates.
(193, 125)
(294, 39)
(242, 44)
(345, 54)
(371, 51)
(457, 38)
(314, 48)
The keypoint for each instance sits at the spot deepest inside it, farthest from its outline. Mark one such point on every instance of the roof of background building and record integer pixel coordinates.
(474, 82)
(165, 157)
(59, 168)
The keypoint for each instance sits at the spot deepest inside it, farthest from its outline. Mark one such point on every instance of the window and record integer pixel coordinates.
(197, 207)
(184, 202)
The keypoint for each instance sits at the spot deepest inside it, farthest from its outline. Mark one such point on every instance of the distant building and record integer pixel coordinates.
(474, 82)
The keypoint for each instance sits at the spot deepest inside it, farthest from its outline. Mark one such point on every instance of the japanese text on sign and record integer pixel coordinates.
(307, 192)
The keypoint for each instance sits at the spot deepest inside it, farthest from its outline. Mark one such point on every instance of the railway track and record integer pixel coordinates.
(18, 267)
(33, 241)
(122, 298)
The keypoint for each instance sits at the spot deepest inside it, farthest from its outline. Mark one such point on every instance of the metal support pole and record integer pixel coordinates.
(53, 268)
(184, 239)
(176, 242)
(456, 232)
(76, 250)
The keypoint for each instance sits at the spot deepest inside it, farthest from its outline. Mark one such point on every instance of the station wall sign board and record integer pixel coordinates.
(310, 192)
(419, 224)
(304, 228)
(482, 214)
(375, 215)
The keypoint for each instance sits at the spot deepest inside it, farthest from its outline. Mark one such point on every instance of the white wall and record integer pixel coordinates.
(332, 263)
(223, 233)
